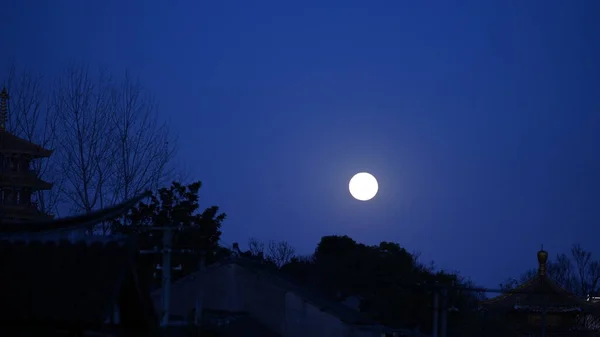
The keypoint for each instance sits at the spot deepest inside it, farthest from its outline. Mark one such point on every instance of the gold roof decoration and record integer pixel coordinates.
(542, 257)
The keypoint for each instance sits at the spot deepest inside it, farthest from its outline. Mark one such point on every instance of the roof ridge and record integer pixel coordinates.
(73, 222)
(511, 292)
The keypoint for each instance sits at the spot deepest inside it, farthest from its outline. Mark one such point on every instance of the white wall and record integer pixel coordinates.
(236, 289)
(220, 292)
(305, 319)
(221, 289)
(263, 299)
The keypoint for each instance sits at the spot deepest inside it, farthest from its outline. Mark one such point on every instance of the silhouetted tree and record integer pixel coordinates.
(301, 268)
(256, 248)
(280, 253)
(277, 253)
(194, 231)
(108, 141)
(394, 288)
(32, 118)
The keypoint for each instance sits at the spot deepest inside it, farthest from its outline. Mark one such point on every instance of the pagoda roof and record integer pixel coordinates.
(14, 144)
(538, 294)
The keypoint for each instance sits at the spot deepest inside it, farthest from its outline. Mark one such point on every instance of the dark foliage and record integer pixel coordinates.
(195, 233)
(392, 286)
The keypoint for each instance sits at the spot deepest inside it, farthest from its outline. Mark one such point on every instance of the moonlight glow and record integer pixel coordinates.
(363, 186)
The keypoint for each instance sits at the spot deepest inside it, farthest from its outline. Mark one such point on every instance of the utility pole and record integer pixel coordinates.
(167, 252)
(444, 312)
(166, 274)
(200, 293)
(436, 311)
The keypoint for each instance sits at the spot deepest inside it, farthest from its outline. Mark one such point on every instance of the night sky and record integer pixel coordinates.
(480, 119)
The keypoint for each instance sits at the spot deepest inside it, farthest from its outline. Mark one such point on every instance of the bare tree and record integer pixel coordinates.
(256, 248)
(586, 272)
(143, 147)
(31, 118)
(561, 271)
(277, 253)
(111, 144)
(81, 105)
(108, 141)
(280, 253)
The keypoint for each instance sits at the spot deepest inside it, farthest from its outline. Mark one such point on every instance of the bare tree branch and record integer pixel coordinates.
(84, 145)
(280, 253)
(256, 247)
(31, 118)
(142, 147)
(108, 141)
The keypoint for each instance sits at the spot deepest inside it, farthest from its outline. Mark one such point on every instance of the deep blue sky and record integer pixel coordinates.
(480, 119)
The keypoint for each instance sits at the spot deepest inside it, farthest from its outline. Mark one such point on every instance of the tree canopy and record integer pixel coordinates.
(390, 283)
(195, 232)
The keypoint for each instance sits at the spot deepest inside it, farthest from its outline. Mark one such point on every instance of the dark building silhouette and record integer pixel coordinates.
(540, 307)
(56, 287)
(18, 181)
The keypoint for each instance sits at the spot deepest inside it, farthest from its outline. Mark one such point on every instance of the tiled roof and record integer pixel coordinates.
(71, 285)
(539, 292)
(12, 143)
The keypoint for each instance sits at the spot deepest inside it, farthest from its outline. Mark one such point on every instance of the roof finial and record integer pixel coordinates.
(3, 109)
(542, 256)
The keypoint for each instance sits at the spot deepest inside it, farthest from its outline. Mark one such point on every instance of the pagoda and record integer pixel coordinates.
(18, 181)
(541, 307)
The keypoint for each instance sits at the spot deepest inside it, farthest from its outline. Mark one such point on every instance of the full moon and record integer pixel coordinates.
(363, 186)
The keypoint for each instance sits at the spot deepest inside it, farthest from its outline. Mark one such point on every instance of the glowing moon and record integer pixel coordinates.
(363, 186)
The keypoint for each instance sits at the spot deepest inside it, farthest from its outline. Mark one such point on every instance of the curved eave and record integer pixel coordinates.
(581, 303)
(563, 309)
(42, 185)
(505, 301)
(14, 144)
(81, 221)
(36, 153)
(42, 153)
